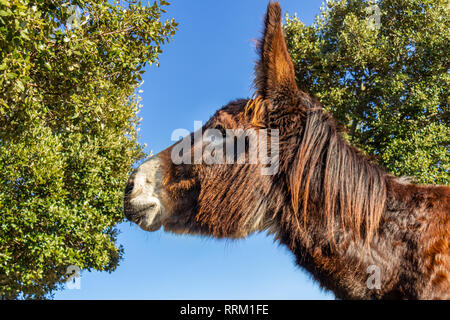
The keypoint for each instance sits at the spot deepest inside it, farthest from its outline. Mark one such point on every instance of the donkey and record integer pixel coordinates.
(359, 231)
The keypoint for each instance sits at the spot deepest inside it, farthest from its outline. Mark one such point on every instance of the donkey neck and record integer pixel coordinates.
(336, 224)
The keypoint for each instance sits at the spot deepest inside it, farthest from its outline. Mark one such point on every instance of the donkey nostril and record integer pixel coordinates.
(129, 188)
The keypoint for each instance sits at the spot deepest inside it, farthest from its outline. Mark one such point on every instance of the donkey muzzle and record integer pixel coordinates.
(142, 196)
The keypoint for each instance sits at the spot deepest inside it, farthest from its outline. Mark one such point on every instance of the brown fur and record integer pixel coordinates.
(338, 212)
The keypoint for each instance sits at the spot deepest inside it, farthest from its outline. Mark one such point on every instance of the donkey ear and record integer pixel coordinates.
(274, 71)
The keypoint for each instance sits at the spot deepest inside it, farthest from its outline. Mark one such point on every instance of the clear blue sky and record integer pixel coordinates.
(209, 63)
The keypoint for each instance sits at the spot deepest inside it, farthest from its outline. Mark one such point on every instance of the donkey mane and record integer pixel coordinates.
(329, 177)
(344, 182)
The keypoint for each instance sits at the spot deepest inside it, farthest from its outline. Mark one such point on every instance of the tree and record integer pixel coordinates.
(69, 73)
(382, 69)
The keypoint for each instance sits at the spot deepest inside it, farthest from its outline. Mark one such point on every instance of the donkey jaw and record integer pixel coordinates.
(141, 204)
(150, 219)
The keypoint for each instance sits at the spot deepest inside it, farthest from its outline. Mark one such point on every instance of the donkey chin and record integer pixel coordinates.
(144, 189)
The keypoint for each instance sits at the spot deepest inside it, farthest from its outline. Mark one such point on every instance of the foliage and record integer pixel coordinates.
(387, 84)
(69, 74)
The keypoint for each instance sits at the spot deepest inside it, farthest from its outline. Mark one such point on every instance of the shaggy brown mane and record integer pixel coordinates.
(347, 188)
(337, 179)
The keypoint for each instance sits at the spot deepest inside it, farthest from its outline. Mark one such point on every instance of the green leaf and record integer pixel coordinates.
(11, 75)
(20, 85)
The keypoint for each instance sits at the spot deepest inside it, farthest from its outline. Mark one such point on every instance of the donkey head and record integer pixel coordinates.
(232, 195)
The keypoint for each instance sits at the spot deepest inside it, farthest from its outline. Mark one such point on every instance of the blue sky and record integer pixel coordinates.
(209, 63)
